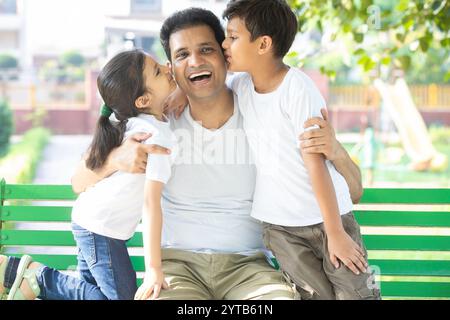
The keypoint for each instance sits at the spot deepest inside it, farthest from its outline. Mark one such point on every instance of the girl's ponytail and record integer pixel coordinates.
(107, 136)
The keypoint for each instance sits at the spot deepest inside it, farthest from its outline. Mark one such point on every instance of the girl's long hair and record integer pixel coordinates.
(120, 83)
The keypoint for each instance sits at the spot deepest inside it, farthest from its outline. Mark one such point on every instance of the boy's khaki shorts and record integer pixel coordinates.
(200, 276)
(303, 254)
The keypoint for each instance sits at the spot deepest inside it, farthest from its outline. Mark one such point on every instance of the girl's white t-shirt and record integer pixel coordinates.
(113, 206)
(273, 123)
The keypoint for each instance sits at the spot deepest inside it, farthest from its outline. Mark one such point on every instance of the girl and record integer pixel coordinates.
(134, 88)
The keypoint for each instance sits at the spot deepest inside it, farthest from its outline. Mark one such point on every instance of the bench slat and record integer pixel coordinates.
(364, 218)
(36, 213)
(415, 289)
(438, 268)
(48, 238)
(403, 218)
(38, 192)
(372, 242)
(406, 196)
(397, 242)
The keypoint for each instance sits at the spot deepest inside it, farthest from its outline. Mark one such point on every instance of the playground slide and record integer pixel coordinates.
(410, 125)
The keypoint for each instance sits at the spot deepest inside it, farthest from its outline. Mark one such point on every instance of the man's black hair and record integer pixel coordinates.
(187, 18)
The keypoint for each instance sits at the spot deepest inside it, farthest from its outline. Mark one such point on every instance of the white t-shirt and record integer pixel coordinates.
(207, 202)
(113, 206)
(273, 123)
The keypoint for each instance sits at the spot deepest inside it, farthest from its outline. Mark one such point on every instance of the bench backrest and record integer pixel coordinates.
(408, 246)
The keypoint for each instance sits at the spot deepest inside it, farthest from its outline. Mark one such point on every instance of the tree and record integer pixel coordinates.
(383, 35)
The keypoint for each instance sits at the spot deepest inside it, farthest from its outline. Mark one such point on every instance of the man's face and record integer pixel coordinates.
(198, 63)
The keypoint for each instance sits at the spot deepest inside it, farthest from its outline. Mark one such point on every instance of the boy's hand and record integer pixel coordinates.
(131, 156)
(176, 103)
(322, 140)
(342, 247)
(153, 283)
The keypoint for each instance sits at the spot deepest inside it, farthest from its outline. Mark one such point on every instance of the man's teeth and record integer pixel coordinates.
(195, 75)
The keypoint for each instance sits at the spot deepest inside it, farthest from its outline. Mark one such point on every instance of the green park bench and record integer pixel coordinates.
(411, 264)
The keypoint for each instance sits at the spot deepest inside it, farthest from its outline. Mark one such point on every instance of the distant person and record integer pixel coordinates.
(134, 88)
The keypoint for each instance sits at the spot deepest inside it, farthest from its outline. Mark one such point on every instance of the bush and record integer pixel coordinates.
(440, 134)
(72, 58)
(6, 127)
(8, 62)
(19, 165)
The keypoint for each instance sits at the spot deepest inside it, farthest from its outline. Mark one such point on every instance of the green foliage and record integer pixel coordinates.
(440, 135)
(73, 58)
(8, 61)
(53, 70)
(385, 35)
(19, 165)
(37, 117)
(6, 126)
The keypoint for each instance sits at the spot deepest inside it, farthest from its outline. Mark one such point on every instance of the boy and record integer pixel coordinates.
(302, 200)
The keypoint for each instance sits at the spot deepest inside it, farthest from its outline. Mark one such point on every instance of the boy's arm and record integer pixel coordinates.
(340, 245)
(323, 141)
(130, 157)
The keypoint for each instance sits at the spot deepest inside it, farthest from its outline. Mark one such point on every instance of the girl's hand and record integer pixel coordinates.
(175, 103)
(153, 283)
(342, 247)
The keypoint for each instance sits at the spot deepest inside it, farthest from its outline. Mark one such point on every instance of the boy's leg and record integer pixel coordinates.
(184, 271)
(109, 263)
(295, 250)
(347, 285)
(238, 277)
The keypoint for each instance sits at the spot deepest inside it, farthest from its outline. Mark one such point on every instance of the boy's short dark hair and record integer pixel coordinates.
(273, 18)
(191, 17)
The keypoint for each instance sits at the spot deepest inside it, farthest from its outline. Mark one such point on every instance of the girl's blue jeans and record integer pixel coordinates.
(105, 271)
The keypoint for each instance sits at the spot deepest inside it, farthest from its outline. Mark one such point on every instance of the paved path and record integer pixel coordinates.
(60, 158)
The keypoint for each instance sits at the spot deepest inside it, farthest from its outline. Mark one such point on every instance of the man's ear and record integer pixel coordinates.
(143, 101)
(265, 44)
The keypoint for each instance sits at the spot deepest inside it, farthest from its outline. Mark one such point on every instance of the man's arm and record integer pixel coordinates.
(129, 157)
(323, 140)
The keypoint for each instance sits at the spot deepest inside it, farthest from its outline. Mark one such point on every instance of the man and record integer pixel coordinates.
(212, 247)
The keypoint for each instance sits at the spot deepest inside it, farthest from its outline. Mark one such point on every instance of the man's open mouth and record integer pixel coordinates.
(200, 76)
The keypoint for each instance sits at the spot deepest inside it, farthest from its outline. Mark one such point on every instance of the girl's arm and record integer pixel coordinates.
(340, 245)
(152, 225)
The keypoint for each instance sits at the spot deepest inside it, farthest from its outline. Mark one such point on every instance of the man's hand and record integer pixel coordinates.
(322, 140)
(132, 155)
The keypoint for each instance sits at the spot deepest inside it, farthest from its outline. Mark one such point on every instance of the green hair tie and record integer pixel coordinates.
(105, 111)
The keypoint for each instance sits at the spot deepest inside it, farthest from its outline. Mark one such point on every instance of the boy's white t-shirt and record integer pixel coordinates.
(113, 206)
(273, 123)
